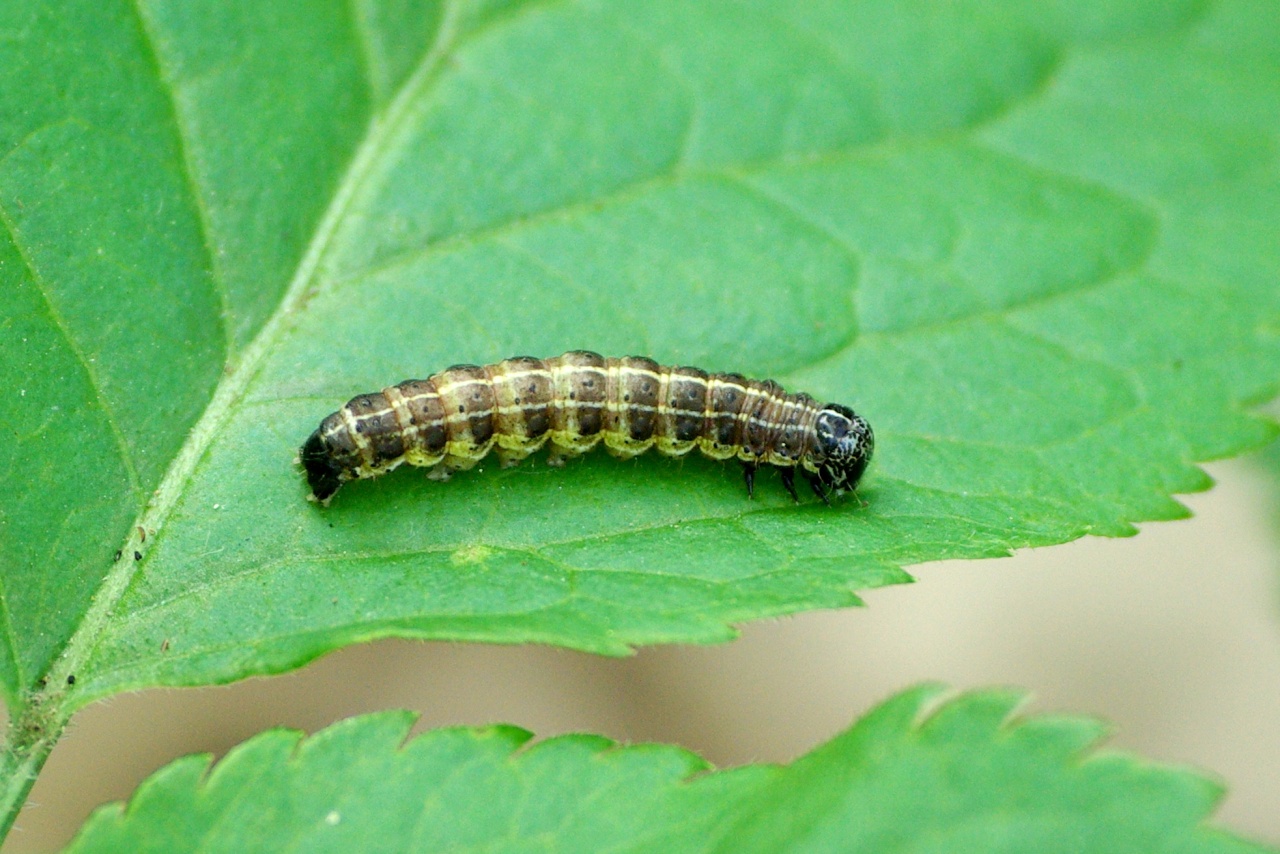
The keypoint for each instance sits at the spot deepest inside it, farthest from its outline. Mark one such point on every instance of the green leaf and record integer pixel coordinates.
(1034, 244)
(1042, 264)
(911, 776)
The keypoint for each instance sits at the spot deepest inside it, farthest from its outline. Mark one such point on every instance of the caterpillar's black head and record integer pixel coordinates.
(845, 443)
(323, 474)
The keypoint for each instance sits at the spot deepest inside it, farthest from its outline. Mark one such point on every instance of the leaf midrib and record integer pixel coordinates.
(382, 130)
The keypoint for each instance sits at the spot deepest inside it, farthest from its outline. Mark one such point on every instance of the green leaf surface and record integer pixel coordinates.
(1033, 243)
(911, 776)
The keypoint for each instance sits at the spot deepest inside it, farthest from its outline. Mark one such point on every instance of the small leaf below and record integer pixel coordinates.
(911, 776)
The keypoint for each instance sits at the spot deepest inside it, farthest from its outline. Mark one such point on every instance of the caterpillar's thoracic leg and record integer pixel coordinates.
(789, 481)
(749, 474)
(820, 489)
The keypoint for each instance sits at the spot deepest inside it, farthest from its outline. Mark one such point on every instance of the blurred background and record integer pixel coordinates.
(1173, 636)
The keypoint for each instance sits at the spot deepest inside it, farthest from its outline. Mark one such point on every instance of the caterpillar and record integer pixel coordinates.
(576, 401)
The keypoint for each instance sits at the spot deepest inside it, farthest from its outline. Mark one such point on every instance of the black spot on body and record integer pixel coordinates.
(589, 422)
(434, 438)
(481, 428)
(641, 426)
(688, 428)
(388, 446)
(727, 431)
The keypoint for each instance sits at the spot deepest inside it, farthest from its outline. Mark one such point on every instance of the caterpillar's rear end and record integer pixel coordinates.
(575, 402)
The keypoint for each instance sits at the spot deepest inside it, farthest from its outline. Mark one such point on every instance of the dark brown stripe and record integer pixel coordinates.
(761, 408)
(639, 387)
(427, 412)
(687, 405)
(581, 412)
(726, 402)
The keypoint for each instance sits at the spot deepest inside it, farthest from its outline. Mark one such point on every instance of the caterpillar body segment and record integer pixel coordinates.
(575, 402)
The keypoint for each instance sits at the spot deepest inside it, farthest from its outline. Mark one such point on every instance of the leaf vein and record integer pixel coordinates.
(10, 639)
(375, 73)
(181, 140)
(122, 445)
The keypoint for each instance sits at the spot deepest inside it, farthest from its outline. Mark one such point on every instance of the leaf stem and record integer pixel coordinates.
(37, 723)
(29, 742)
